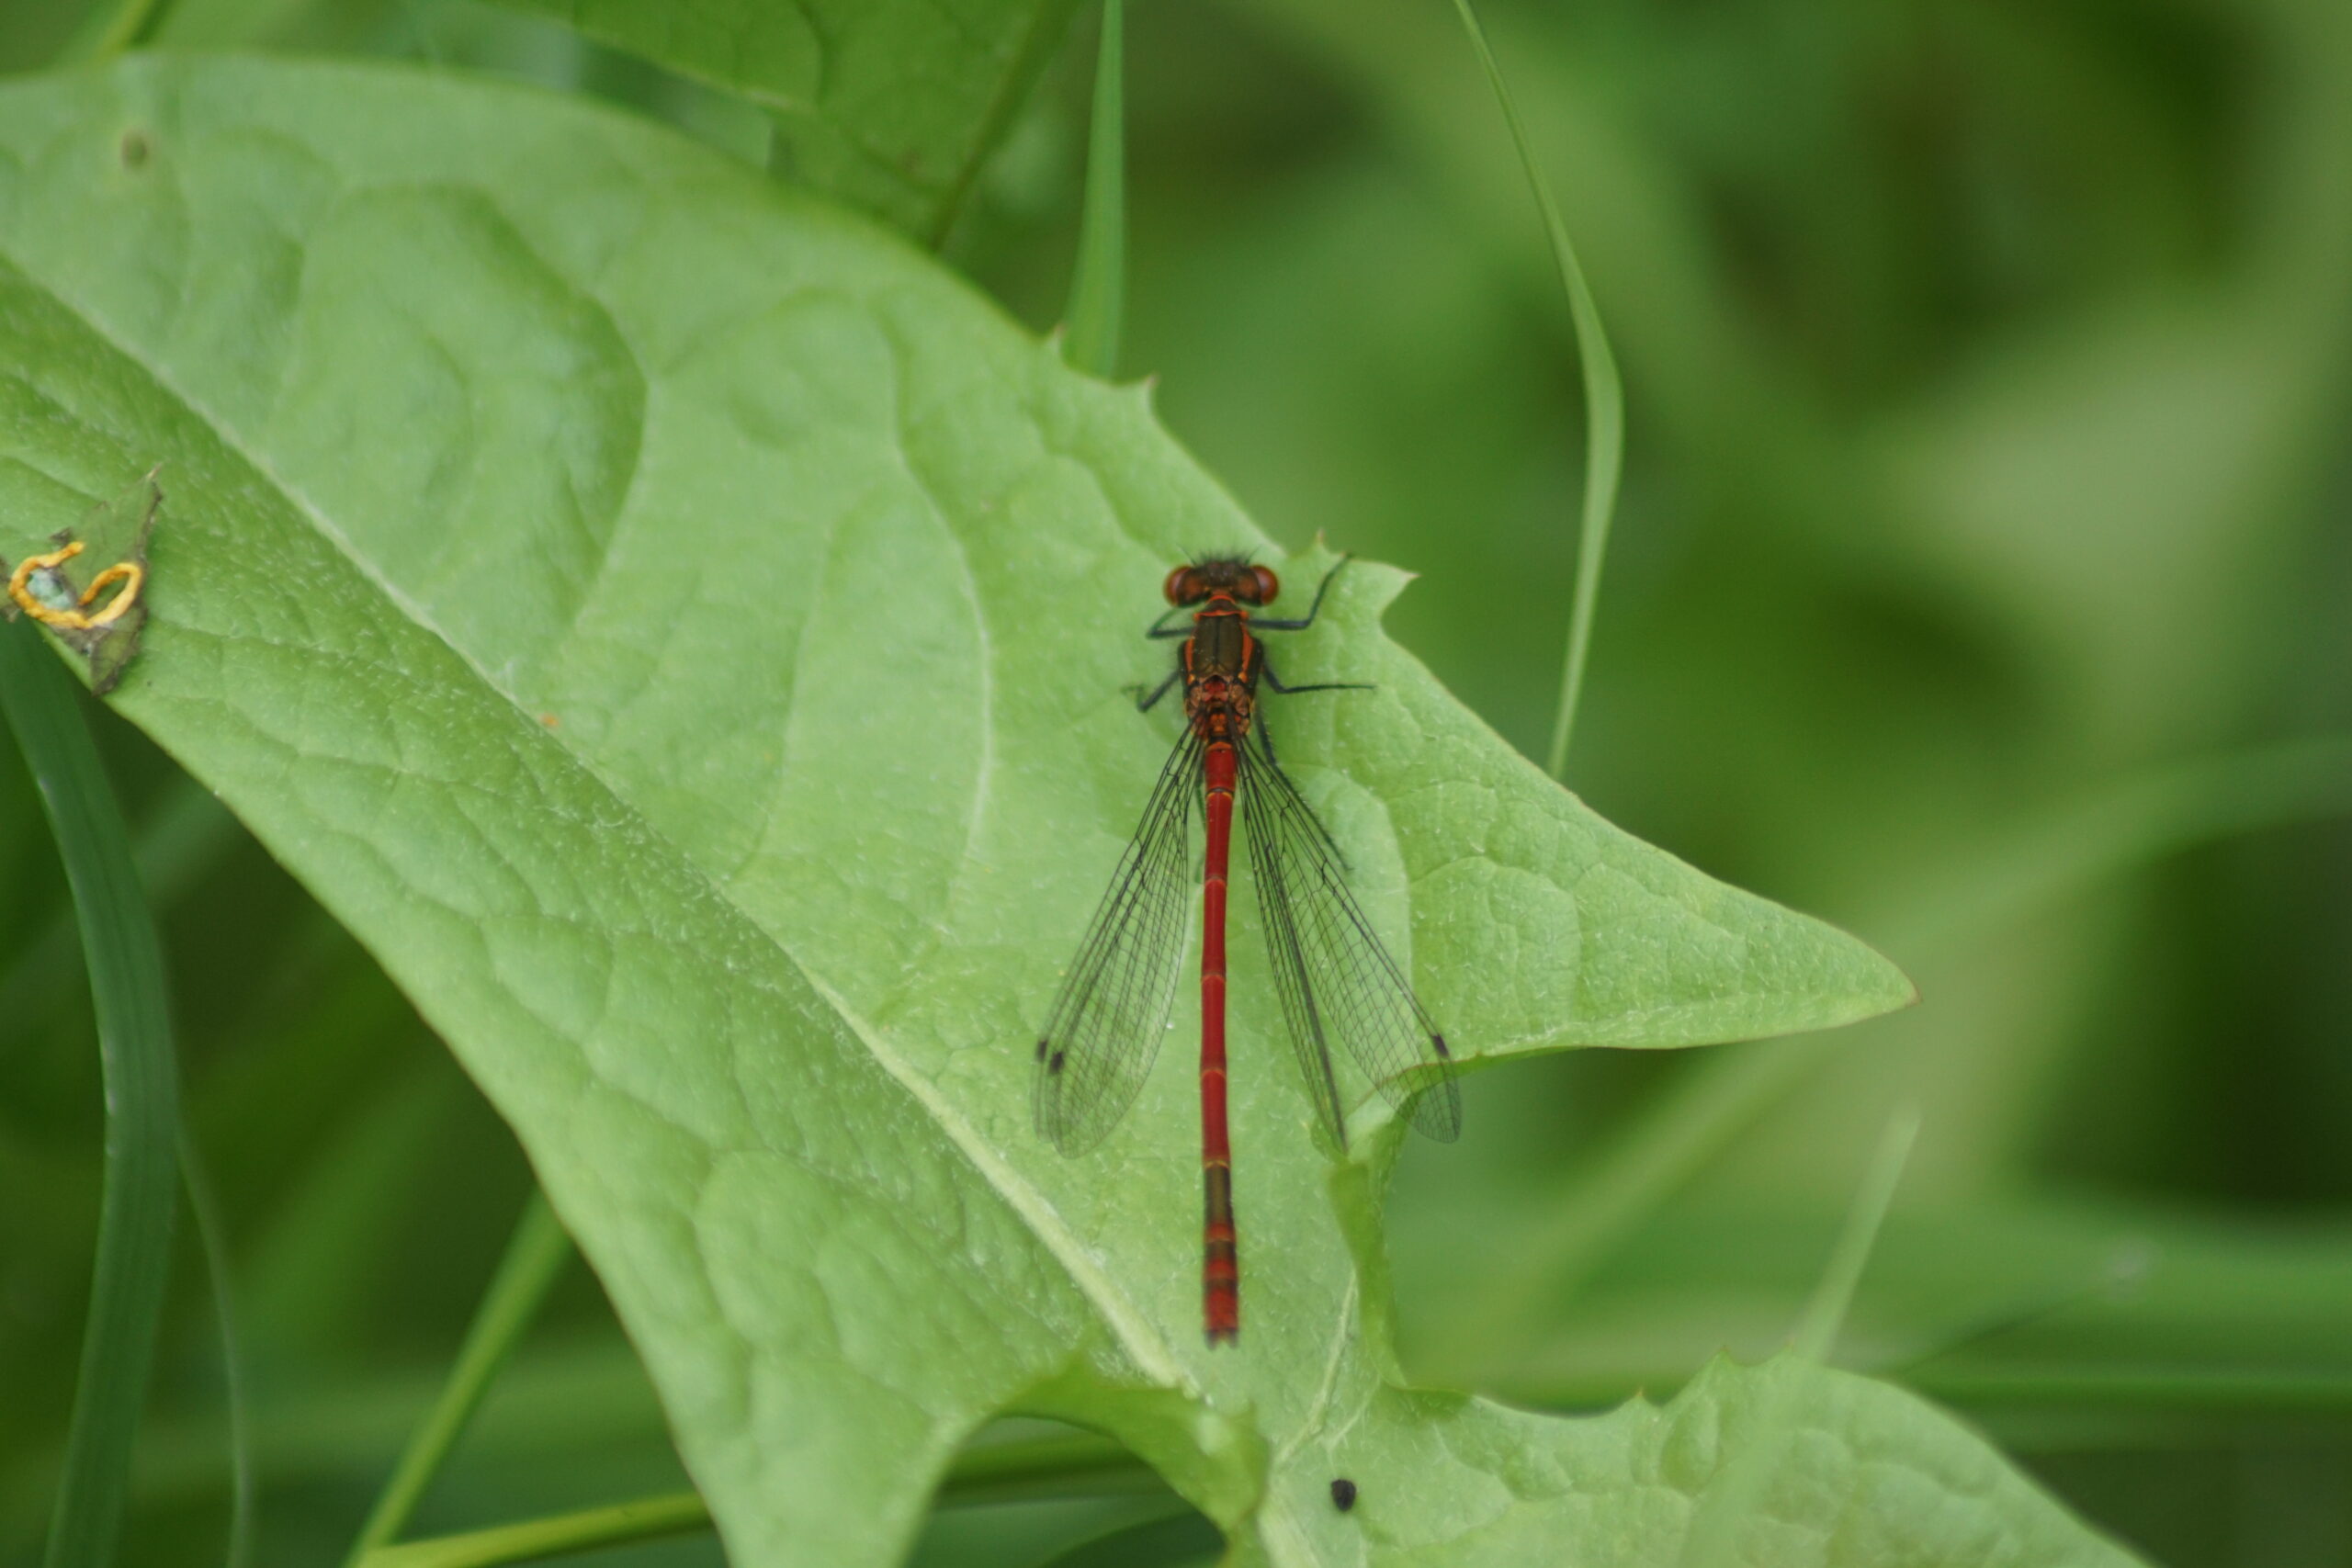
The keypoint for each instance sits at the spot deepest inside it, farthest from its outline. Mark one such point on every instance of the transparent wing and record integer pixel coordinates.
(1107, 1022)
(1336, 981)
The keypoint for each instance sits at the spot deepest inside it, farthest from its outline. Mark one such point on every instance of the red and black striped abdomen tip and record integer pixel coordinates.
(1221, 1260)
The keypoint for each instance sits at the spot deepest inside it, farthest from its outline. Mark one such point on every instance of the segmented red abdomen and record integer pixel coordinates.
(1220, 1254)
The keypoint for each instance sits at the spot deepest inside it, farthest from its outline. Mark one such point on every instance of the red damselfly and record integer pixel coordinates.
(1335, 979)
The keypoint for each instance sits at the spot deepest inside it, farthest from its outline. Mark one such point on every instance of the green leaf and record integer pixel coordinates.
(887, 105)
(679, 628)
(1855, 1473)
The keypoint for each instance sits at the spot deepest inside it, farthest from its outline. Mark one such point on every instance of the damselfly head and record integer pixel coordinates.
(1234, 576)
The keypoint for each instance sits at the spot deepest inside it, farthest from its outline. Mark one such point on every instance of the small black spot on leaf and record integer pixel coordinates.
(1343, 1493)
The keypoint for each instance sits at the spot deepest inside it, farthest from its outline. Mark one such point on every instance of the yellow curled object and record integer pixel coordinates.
(130, 573)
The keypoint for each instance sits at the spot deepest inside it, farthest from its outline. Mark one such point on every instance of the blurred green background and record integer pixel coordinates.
(1979, 584)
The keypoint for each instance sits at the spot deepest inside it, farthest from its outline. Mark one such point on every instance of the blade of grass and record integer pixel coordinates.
(142, 1076)
(2186, 1402)
(1669, 1141)
(349, 1429)
(108, 30)
(538, 1250)
(2172, 1389)
(1043, 37)
(1825, 1314)
(2109, 831)
(646, 1518)
(1076, 1466)
(1731, 1499)
(1604, 405)
(212, 1239)
(1079, 1465)
(2116, 1278)
(1150, 1543)
(1098, 286)
(183, 838)
(2118, 827)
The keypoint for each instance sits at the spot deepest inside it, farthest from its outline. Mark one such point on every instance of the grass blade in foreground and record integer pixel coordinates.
(536, 1254)
(603, 583)
(1098, 286)
(126, 969)
(1604, 406)
(212, 1245)
(535, 1541)
(1730, 1505)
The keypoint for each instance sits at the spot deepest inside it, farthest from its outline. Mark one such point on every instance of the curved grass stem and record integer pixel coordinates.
(125, 960)
(1825, 1312)
(109, 29)
(1604, 405)
(212, 1241)
(538, 1250)
(1098, 286)
(1075, 1466)
(644, 1518)
(1733, 1498)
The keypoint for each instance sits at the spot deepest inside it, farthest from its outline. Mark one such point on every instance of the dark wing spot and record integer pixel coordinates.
(1055, 1065)
(1343, 1493)
(1439, 1040)
(1041, 1049)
